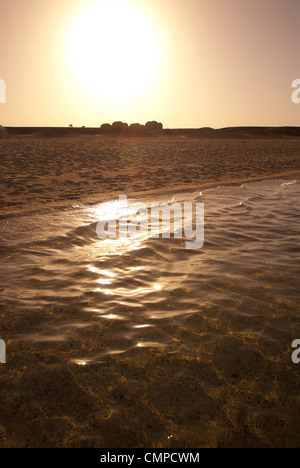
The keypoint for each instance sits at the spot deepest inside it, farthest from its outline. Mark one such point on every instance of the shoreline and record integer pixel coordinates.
(95, 199)
(58, 173)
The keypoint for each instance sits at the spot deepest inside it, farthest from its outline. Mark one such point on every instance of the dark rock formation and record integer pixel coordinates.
(153, 126)
(119, 126)
(137, 129)
(105, 128)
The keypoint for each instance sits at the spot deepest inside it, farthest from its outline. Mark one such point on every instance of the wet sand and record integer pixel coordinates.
(153, 346)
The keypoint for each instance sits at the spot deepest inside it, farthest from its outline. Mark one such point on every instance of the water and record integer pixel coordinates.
(222, 317)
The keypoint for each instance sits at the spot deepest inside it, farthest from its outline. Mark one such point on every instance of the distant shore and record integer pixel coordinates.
(136, 130)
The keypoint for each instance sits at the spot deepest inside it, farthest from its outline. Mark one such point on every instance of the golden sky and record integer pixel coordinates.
(185, 63)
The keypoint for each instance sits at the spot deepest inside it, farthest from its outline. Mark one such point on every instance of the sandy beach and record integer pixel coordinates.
(149, 345)
(39, 173)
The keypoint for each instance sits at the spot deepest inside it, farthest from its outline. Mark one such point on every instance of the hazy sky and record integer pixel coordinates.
(186, 63)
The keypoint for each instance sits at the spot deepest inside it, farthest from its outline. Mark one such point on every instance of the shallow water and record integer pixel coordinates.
(232, 306)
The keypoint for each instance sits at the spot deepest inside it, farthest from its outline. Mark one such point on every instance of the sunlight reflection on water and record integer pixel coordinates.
(141, 283)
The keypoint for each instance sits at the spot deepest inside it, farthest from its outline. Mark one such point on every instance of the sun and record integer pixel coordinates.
(114, 51)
